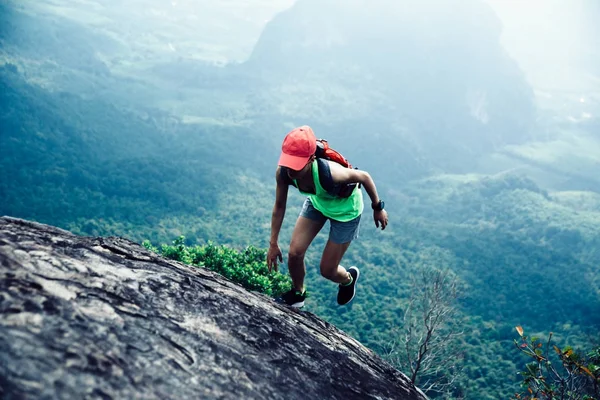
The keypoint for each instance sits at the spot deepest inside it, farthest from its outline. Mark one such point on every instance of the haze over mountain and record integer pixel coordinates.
(413, 83)
(555, 42)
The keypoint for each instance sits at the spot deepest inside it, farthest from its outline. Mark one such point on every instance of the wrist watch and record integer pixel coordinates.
(378, 206)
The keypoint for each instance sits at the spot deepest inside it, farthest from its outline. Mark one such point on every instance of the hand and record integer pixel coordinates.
(380, 217)
(273, 255)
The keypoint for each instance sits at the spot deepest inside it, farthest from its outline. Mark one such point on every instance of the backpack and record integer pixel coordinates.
(323, 153)
(326, 152)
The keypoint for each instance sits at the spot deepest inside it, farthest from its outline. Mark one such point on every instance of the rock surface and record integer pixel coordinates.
(84, 317)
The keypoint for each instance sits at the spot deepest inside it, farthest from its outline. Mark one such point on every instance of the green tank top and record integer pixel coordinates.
(337, 208)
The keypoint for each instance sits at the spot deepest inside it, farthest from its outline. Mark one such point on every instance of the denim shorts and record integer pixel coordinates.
(339, 232)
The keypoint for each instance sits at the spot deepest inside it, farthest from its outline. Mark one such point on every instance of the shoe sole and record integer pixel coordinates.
(295, 305)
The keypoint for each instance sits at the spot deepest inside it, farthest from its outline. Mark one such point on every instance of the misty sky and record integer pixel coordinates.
(554, 41)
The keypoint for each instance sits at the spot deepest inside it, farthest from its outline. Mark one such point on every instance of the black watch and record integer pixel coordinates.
(378, 206)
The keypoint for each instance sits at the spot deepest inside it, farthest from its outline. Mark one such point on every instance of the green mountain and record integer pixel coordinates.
(105, 130)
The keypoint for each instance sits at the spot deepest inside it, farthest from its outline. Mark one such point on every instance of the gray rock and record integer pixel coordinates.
(84, 317)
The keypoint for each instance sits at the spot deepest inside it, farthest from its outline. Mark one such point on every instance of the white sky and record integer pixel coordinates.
(554, 41)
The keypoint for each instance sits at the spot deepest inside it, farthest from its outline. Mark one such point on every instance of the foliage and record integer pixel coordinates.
(564, 375)
(246, 267)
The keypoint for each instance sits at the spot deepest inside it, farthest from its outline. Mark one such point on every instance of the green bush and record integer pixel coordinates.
(247, 267)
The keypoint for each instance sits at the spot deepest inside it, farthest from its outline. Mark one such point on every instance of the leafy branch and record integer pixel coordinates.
(557, 373)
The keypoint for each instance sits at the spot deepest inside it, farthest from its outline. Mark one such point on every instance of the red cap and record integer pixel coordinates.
(299, 144)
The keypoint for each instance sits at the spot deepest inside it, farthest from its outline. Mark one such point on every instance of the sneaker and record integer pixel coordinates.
(293, 298)
(346, 293)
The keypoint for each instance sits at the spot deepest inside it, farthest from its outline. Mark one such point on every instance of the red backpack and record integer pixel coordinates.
(326, 152)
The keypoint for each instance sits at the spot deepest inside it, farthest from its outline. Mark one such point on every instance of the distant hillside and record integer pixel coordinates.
(426, 83)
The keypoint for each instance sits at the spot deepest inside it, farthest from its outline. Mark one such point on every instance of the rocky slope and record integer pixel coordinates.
(87, 317)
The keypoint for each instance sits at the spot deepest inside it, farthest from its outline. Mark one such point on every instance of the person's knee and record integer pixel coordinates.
(328, 270)
(296, 254)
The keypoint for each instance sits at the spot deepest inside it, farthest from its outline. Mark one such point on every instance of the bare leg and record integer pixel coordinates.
(330, 262)
(305, 231)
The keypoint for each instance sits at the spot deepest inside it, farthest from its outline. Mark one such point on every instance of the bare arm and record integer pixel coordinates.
(341, 175)
(281, 193)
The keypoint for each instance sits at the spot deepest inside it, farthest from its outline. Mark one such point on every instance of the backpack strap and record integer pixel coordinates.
(325, 177)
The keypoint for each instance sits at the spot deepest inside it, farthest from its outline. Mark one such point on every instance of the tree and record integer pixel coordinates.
(564, 374)
(427, 346)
